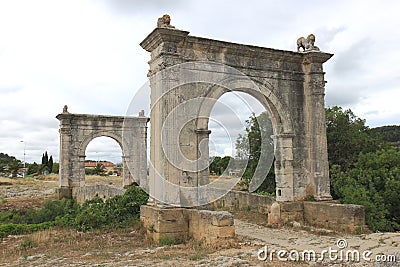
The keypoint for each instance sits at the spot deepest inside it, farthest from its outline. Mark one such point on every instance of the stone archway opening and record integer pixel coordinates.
(234, 151)
(104, 162)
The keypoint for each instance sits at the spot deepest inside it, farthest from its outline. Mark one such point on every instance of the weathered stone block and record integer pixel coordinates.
(339, 217)
(274, 217)
(215, 232)
(64, 192)
(222, 218)
(179, 223)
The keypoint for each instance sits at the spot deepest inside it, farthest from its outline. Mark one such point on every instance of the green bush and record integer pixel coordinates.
(49, 212)
(18, 229)
(118, 211)
(373, 182)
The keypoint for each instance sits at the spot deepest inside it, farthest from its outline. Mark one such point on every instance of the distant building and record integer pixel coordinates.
(234, 173)
(92, 164)
(109, 166)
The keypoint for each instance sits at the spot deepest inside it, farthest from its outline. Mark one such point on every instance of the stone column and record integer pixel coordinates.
(164, 177)
(284, 167)
(134, 145)
(80, 172)
(127, 178)
(142, 150)
(65, 172)
(314, 87)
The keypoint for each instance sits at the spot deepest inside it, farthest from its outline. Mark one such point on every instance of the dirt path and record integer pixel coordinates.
(300, 240)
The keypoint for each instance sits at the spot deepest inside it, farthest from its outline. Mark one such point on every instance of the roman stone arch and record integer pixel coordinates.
(78, 130)
(289, 84)
(283, 129)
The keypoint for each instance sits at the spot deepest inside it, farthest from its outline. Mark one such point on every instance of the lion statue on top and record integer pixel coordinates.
(164, 22)
(307, 43)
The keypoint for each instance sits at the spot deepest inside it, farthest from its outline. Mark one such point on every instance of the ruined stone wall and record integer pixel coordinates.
(327, 215)
(81, 194)
(338, 217)
(239, 200)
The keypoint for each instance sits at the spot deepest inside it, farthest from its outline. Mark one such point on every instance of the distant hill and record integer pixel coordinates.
(5, 159)
(387, 133)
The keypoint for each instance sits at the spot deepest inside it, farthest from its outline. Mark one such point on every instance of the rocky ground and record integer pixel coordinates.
(129, 247)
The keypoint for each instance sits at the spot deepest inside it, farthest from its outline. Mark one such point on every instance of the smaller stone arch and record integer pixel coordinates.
(76, 132)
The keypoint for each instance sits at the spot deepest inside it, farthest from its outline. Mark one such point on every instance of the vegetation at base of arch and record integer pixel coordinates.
(118, 211)
(364, 165)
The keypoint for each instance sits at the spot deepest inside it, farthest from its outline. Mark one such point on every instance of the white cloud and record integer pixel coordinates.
(104, 148)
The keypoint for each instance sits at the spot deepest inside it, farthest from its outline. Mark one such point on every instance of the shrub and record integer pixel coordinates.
(118, 211)
(18, 229)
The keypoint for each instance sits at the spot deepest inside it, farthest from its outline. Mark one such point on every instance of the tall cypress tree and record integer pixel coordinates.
(46, 159)
(50, 164)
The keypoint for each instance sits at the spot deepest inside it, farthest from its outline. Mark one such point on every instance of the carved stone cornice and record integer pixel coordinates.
(162, 35)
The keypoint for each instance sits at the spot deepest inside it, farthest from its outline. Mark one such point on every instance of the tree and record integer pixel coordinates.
(32, 168)
(45, 159)
(242, 147)
(389, 133)
(14, 167)
(47, 164)
(347, 136)
(56, 167)
(373, 182)
(89, 171)
(5, 158)
(255, 142)
(50, 164)
(2, 168)
(99, 169)
(218, 165)
(43, 169)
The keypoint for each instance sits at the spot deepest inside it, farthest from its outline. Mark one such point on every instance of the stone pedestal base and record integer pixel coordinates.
(64, 192)
(179, 224)
(165, 223)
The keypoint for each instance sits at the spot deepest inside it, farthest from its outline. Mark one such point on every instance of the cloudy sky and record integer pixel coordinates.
(86, 54)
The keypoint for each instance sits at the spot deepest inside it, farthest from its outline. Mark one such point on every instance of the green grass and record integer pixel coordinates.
(166, 241)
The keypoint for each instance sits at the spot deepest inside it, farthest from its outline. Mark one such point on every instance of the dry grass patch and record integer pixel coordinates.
(62, 242)
(91, 180)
